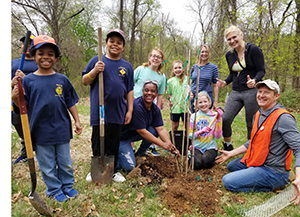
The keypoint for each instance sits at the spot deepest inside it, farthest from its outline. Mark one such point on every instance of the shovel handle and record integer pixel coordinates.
(213, 120)
(24, 120)
(24, 51)
(101, 95)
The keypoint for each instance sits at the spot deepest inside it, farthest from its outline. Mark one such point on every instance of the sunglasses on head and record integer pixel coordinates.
(151, 82)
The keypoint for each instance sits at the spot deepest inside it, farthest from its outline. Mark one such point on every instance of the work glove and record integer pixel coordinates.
(203, 130)
(220, 113)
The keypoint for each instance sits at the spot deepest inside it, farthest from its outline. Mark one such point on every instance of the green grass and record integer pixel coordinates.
(118, 199)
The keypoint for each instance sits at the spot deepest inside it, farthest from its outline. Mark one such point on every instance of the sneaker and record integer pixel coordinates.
(60, 198)
(72, 193)
(118, 177)
(89, 178)
(227, 147)
(136, 154)
(20, 159)
(152, 151)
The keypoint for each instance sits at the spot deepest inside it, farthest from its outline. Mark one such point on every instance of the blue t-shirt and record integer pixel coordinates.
(142, 118)
(48, 99)
(118, 82)
(28, 67)
(208, 75)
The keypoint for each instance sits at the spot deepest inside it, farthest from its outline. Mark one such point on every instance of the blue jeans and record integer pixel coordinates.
(244, 179)
(56, 167)
(126, 158)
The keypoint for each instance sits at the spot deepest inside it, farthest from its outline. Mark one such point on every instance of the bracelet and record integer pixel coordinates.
(90, 76)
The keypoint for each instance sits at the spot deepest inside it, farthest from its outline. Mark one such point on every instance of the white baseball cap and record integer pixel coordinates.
(270, 84)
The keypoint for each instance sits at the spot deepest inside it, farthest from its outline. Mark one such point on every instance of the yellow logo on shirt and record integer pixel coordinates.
(59, 90)
(122, 71)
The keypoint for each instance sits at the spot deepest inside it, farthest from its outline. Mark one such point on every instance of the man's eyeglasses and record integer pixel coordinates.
(156, 57)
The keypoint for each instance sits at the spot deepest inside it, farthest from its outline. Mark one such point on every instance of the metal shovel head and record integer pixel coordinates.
(40, 205)
(102, 169)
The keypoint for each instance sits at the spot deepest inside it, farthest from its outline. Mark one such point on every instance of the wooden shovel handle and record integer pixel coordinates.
(101, 96)
(24, 120)
(213, 120)
(101, 85)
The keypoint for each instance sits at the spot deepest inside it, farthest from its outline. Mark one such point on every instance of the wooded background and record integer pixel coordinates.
(273, 25)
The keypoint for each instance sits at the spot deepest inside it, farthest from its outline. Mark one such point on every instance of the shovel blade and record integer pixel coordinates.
(102, 169)
(39, 204)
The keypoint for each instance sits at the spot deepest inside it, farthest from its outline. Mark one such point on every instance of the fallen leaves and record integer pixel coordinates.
(89, 209)
(16, 197)
(139, 196)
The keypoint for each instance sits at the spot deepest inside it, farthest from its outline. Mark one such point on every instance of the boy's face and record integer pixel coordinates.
(27, 52)
(45, 56)
(114, 45)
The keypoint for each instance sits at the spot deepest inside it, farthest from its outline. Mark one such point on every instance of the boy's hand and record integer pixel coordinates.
(128, 117)
(20, 73)
(14, 81)
(15, 93)
(99, 66)
(78, 129)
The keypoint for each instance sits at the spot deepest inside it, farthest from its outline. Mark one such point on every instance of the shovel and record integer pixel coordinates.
(102, 168)
(40, 205)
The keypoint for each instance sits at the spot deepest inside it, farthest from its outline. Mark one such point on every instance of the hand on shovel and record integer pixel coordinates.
(15, 94)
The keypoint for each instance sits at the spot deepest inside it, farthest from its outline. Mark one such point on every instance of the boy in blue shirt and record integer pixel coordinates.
(118, 96)
(28, 67)
(49, 97)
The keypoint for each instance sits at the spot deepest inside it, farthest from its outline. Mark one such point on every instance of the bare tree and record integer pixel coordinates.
(54, 15)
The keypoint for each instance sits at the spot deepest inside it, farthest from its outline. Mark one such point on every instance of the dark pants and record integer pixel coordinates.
(111, 140)
(235, 102)
(16, 121)
(206, 160)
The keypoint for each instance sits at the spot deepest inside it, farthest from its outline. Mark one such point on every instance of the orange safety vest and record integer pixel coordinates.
(258, 149)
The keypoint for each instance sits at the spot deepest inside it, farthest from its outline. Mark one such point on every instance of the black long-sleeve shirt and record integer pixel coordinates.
(255, 67)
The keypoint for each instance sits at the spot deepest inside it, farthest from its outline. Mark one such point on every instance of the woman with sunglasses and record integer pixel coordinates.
(146, 125)
(151, 71)
(209, 72)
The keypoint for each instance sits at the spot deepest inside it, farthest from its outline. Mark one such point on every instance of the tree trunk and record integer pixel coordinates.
(132, 39)
(296, 77)
(122, 23)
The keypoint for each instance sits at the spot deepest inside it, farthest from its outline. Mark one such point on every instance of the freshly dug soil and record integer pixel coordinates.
(181, 191)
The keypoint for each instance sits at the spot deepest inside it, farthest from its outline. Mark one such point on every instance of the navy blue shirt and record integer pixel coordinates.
(118, 82)
(28, 67)
(48, 99)
(142, 118)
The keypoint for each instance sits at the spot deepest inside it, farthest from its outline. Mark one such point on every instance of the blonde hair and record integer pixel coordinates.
(148, 63)
(204, 93)
(208, 50)
(182, 76)
(236, 30)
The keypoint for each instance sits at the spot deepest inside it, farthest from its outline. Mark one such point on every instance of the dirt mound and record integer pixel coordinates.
(183, 191)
